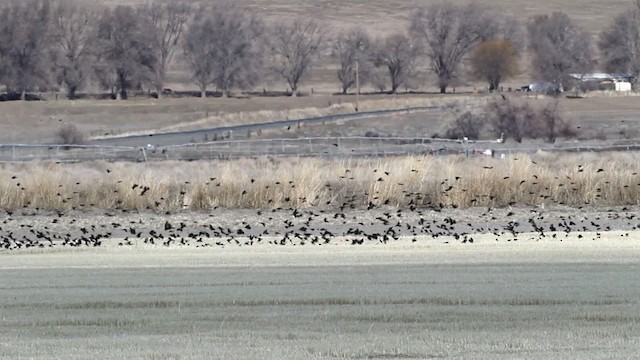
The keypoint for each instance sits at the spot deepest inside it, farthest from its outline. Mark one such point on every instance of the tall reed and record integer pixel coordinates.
(422, 181)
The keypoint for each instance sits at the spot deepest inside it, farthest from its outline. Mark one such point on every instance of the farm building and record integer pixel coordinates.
(604, 81)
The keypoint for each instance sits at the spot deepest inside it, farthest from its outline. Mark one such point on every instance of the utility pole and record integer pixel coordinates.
(357, 85)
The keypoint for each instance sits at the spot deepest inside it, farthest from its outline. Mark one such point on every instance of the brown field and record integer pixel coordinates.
(382, 16)
(105, 117)
(599, 118)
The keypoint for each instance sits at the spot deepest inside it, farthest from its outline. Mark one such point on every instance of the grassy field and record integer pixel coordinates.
(552, 300)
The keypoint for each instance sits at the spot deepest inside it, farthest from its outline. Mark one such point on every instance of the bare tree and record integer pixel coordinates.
(512, 118)
(223, 47)
(620, 43)
(379, 79)
(197, 51)
(493, 61)
(239, 53)
(74, 38)
(351, 47)
(468, 125)
(294, 48)
(126, 57)
(521, 119)
(559, 48)
(551, 123)
(511, 29)
(447, 33)
(399, 55)
(168, 19)
(25, 46)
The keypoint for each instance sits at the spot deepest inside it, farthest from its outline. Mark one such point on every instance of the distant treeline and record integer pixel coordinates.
(60, 45)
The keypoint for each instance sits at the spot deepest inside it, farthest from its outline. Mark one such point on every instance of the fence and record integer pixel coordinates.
(299, 147)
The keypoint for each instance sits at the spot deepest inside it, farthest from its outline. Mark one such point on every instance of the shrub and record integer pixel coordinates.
(69, 134)
(514, 119)
(467, 125)
(519, 119)
(550, 123)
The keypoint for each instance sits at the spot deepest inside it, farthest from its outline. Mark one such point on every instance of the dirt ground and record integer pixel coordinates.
(310, 227)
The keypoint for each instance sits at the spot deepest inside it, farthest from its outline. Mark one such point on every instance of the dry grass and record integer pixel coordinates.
(253, 117)
(38, 122)
(542, 179)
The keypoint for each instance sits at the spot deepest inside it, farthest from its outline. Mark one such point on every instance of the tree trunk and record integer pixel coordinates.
(122, 86)
(443, 89)
(159, 80)
(71, 93)
(23, 95)
(203, 93)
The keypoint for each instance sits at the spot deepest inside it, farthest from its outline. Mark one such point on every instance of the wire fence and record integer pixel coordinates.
(330, 147)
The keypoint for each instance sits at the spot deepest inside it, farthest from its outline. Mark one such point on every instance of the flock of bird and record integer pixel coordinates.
(306, 227)
(345, 222)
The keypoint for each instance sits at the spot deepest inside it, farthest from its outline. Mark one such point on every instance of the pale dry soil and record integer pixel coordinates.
(503, 296)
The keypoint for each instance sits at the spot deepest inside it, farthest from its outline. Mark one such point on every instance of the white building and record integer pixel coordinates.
(599, 80)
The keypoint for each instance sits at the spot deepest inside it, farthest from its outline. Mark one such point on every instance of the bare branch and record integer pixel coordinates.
(168, 19)
(447, 33)
(294, 48)
(559, 49)
(73, 34)
(350, 47)
(399, 55)
(223, 47)
(126, 56)
(620, 43)
(24, 46)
